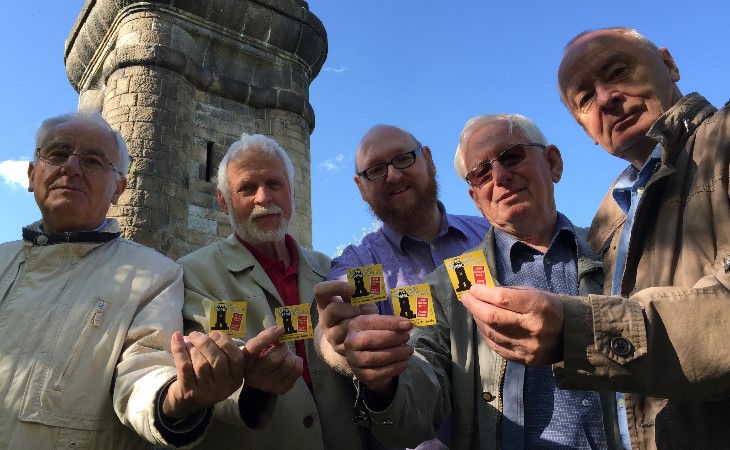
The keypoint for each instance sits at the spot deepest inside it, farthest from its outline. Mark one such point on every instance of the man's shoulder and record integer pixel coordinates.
(201, 255)
(317, 261)
(137, 250)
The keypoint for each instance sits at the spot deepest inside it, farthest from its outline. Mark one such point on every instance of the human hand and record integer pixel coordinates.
(521, 324)
(209, 369)
(335, 311)
(377, 349)
(269, 365)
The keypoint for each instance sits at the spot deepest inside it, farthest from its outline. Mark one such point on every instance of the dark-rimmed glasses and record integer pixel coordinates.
(90, 160)
(509, 157)
(401, 161)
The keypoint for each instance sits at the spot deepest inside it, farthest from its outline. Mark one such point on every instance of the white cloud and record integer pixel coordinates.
(356, 240)
(335, 69)
(14, 173)
(332, 164)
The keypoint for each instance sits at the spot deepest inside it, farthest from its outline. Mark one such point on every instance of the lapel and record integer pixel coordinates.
(239, 259)
(311, 272)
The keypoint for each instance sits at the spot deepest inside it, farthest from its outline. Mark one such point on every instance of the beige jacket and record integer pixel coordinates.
(668, 336)
(85, 338)
(228, 271)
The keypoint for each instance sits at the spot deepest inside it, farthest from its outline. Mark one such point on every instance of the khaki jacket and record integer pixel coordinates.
(667, 336)
(227, 271)
(85, 342)
(455, 372)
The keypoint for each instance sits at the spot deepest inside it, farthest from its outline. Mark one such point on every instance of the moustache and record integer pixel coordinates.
(259, 210)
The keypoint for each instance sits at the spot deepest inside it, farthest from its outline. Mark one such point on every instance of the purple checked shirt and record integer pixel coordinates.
(407, 260)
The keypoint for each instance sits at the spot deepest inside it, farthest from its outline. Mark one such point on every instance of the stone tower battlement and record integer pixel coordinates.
(181, 80)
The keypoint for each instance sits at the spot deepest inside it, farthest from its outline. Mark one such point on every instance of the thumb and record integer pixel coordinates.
(264, 339)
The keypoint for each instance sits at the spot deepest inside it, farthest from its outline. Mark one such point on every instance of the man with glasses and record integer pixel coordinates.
(87, 318)
(397, 179)
(448, 368)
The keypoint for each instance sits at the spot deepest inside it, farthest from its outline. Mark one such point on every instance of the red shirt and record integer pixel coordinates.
(285, 281)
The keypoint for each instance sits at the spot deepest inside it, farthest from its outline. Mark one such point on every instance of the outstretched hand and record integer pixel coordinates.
(209, 369)
(521, 324)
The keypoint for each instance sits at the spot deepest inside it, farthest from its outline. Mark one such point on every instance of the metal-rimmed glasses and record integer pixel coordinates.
(90, 160)
(401, 161)
(509, 157)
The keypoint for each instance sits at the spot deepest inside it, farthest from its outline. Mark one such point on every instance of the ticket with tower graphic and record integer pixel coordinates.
(468, 269)
(414, 303)
(228, 318)
(369, 284)
(296, 321)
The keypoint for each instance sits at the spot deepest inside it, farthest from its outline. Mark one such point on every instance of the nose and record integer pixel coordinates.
(393, 174)
(262, 197)
(500, 174)
(605, 94)
(72, 166)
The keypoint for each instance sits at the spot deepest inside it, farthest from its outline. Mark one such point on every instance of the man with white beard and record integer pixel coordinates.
(294, 400)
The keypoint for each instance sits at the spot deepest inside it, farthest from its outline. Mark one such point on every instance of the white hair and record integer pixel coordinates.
(254, 142)
(92, 117)
(527, 127)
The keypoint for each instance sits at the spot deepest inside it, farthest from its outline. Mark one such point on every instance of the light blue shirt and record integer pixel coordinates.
(536, 413)
(627, 193)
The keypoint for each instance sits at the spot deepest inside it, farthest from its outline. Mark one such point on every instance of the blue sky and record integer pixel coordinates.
(417, 64)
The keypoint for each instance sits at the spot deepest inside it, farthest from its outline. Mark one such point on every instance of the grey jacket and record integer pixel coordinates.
(454, 372)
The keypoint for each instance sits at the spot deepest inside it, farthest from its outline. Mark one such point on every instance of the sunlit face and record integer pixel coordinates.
(516, 196)
(260, 196)
(616, 88)
(69, 199)
(403, 196)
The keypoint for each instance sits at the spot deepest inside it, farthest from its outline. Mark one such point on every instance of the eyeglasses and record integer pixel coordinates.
(401, 161)
(90, 160)
(510, 157)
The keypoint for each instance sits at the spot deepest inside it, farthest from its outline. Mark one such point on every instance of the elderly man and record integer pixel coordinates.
(663, 231)
(263, 266)
(86, 316)
(495, 404)
(397, 179)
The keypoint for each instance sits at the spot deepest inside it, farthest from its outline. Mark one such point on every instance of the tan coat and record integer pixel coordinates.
(228, 271)
(65, 367)
(675, 314)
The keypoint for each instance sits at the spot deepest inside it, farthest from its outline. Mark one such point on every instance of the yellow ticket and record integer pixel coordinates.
(467, 269)
(296, 321)
(414, 303)
(228, 318)
(369, 284)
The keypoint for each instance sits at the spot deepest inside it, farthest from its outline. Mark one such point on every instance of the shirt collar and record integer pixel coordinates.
(507, 244)
(632, 180)
(397, 239)
(267, 262)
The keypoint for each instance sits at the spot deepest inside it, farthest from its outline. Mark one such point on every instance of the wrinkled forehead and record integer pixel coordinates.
(257, 160)
(490, 139)
(82, 133)
(588, 54)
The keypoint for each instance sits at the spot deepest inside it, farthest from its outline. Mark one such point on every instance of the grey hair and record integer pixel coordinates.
(526, 126)
(254, 142)
(92, 117)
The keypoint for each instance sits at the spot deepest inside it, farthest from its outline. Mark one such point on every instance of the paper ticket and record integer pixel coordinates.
(467, 269)
(414, 303)
(296, 321)
(369, 284)
(228, 318)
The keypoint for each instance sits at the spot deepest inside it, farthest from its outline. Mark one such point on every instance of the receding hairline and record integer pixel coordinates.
(626, 31)
(367, 138)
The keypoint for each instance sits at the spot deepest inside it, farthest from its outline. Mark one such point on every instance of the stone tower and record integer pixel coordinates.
(181, 80)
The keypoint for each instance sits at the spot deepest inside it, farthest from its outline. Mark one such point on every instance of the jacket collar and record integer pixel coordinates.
(34, 234)
(238, 259)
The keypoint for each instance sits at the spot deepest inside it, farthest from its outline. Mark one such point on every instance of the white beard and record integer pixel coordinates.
(249, 232)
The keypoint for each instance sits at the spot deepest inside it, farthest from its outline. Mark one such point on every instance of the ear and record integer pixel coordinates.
(668, 61)
(358, 182)
(427, 154)
(121, 186)
(222, 202)
(555, 161)
(31, 176)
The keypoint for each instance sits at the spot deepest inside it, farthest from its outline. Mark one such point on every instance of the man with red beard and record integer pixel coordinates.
(291, 401)
(397, 179)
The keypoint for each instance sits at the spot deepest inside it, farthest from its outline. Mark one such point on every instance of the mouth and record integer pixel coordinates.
(398, 191)
(624, 121)
(509, 195)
